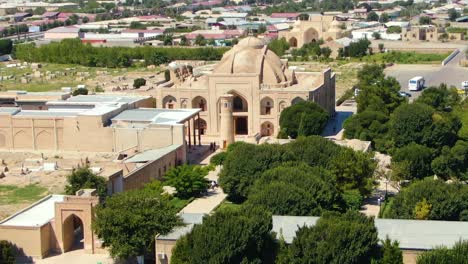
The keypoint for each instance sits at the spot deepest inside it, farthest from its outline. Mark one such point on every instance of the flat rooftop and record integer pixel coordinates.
(156, 115)
(106, 98)
(152, 154)
(411, 234)
(35, 215)
(189, 220)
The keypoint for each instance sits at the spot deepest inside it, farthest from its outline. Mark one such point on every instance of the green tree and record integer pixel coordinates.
(200, 40)
(384, 18)
(372, 16)
(447, 200)
(137, 25)
(319, 244)
(453, 14)
(6, 46)
(228, 236)
(218, 159)
(139, 82)
(80, 91)
(128, 222)
(376, 35)
(442, 255)
(184, 41)
(168, 39)
(410, 123)
(303, 119)
(244, 164)
(296, 189)
(422, 210)
(440, 98)
(353, 171)
(417, 158)
(394, 30)
(84, 178)
(278, 46)
(188, 180)
(452, 162)
(391, 252)
(425, 20)
(85, 19)
(7, 253)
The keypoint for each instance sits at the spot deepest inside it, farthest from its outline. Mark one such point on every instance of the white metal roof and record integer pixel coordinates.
(156, 115)
(153, 154)
(411, 234)
(37, 214)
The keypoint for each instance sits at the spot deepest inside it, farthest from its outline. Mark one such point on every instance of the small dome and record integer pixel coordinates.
(251, 42)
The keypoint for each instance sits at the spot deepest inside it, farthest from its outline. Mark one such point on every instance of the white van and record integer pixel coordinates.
(416, 83)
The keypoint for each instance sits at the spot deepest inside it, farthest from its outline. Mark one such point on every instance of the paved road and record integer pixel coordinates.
(450, 74)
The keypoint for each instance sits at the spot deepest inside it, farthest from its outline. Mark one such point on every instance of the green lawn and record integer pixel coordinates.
(180, 203)
(228, 205)
(10, 194)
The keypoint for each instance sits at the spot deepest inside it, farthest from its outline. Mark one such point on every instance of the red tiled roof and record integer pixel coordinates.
(64, 15)
(284, 15)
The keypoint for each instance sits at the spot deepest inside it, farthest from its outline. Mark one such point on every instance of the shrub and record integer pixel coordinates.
(7, 253)
(84, 178)
(303, 119)
(80, 91)
(188, 180)
(137, 83)
(218, 159)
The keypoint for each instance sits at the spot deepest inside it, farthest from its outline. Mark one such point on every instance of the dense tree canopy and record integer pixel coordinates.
(188, 180)
(296, 189)
(452, 162)
(84, 178)
(414, 161)
(442, 255)
(245, 163)
(439, 98)
(228, 236)
(336, 238)
(443, 201)
(128, 222)
(72, 51)
(6, 46)
(303, 119)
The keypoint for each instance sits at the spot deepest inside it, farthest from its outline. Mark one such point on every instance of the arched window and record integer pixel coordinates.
(169, 102)
(266, 104)
(199, 102)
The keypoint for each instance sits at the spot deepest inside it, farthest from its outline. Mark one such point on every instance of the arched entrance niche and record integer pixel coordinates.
(201, 125)
(73, 233)
(266, 106)
(293, 42)
(310, 35)
(267, 129)
(169, 102)
(239, 104)
(297, 100)
(199, 102)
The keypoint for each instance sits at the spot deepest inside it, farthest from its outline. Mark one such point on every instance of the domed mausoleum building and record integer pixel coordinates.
(249, 87)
